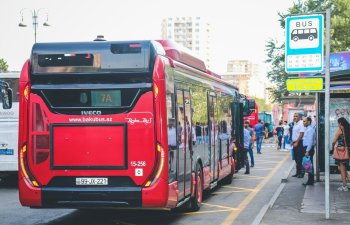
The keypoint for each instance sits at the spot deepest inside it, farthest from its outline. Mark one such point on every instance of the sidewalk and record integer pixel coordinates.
(298, 204)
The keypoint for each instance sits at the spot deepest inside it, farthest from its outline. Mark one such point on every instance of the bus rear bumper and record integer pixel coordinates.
(86, 197)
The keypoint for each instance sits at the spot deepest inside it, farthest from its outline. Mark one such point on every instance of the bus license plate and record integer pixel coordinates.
(91, 181)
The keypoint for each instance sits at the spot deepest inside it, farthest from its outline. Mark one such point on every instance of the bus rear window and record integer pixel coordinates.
(56, 60)
(126, 48)
(86, 58)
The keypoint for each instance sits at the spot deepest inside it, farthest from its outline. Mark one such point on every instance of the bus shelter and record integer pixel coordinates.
(339, 107)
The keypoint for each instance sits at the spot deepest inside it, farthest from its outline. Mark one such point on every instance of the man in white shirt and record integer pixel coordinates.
(308, 144)
(246, 142)
(285, 134)
(297, 141)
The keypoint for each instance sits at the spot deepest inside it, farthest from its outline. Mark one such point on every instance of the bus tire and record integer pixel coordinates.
(196, 200)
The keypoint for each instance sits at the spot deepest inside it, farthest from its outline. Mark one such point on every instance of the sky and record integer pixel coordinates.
(240, 29)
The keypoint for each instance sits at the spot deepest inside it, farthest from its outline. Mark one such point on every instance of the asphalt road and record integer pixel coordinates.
(237, 203)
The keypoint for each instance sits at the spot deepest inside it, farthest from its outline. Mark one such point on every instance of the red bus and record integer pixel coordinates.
(137, 124)
(253, 118)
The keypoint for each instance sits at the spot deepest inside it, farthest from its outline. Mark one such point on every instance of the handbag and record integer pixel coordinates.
(307, 164)
(341, 152)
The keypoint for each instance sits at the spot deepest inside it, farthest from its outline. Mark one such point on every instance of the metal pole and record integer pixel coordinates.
(326, 113)
(317, 133)
(35, 23)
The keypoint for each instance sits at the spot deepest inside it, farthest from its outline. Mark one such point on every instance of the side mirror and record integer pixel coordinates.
(6, 98)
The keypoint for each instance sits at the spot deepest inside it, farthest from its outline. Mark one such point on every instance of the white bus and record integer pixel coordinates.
(9, 123)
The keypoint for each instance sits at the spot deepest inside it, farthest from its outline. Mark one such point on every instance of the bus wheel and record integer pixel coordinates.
(295, 38)
(197, 199)
(311, 37)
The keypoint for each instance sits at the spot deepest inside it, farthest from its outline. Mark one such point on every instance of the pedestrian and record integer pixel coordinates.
(250, 149)
(291, 124)
(279, 132)
(194, 136)
(342, 139)
(285, 134)
(198, 133)
(266, 132)
(171, 143)
(297, 141)
(259, 135)
(308, 144)
(247, 139)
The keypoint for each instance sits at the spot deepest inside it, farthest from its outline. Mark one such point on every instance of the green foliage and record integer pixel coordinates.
(262, 105)
(340, 22)
(340, 38)
(3, 65)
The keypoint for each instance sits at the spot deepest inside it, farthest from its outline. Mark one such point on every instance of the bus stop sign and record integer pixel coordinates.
(304, 44)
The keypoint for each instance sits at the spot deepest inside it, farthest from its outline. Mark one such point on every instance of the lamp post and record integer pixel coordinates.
(35, 15)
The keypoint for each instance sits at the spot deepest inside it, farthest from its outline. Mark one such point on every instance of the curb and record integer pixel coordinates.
(264, 209)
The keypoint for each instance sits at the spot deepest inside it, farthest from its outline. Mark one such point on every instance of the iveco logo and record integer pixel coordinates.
(91, 113)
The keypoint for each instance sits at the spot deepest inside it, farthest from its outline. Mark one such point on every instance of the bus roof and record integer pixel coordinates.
(111, 56)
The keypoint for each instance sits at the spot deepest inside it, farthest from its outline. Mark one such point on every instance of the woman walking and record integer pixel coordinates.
(341, 151)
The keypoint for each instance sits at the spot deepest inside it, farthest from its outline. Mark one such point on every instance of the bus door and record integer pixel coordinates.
(184, 132)
(237, 131)
(212, 130)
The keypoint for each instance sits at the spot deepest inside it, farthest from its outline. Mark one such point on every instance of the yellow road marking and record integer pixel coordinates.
(209, 211)
(264, 169)
(239, 188)
(248, 175)
(260, 167)
(226, 192)
(219, 206)
(233, 215)
(263, 160)
(247, 178)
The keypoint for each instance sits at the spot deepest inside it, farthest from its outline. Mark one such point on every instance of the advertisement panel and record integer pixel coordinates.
(339, 107)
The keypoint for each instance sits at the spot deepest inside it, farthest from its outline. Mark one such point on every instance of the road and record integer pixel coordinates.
(237, 203)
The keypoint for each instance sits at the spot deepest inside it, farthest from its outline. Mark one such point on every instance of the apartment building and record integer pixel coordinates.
(191, 32)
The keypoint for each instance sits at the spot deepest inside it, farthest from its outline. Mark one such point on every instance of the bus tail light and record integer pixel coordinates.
(26, 92)
(24, 167)
(159, 168)
(155, 90)
(40, 135)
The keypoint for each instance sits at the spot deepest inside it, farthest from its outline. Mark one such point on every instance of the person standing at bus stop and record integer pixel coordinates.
(246, 142)
(342, 139)
(297, 140)
(308, 145)
(250, 149)
(259, 135)
(279, 131)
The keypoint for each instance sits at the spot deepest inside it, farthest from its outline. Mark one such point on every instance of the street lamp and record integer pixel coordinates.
(35, 15)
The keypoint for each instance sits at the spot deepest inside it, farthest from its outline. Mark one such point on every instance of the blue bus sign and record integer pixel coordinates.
(304, 44)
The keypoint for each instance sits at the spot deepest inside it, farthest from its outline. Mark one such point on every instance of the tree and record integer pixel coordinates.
(340, 38)
(262, 105)
(3, 65)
